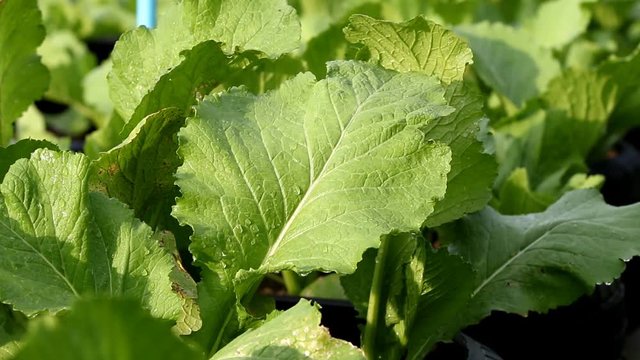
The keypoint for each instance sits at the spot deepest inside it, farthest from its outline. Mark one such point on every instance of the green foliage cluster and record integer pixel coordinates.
(321, 144)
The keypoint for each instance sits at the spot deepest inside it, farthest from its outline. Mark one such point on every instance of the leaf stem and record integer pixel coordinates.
(375, 307)
(291, 282)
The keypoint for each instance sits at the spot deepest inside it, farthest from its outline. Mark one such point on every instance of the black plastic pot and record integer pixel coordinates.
(594, 327)
(622, 187)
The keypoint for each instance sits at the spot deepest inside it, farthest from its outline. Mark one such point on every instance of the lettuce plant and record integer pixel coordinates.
(228, 157)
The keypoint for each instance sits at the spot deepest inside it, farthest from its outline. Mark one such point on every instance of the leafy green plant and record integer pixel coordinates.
(227, 156)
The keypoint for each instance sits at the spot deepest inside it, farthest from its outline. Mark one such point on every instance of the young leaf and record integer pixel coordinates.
(416, 45)
(537, 262)
(423, 46)
(139, 172)
(59, 247)
(23, 78)
(509, 61)
(104, 329)
(269, 26)
(183, 85)
(96, 93)
(317, 16)
(292, 176)
(295, 334)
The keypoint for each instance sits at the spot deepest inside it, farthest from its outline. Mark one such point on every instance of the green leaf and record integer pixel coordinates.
(423, 46)
(182, 86)
(23, 78)
(58, 248)
(96, 93)
(556, 23)
(33, 125)
(64, 15)
(20, 150)
(68, 60)
(269, 26)
(416, 45)
(536, 262)
(516, 196)
(292, 176)
(104, 138)
(193, 78)
(104, 329)
(448, 281)
(387, 286)
(220, 319)
(295, 334)
(509, 61)
(139, 172)
(473, 169)
(554, 136)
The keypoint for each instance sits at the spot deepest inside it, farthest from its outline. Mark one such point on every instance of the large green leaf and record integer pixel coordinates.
(104, 329)
(532, 262)
(295, 334)
(183, 85)
(139, 172)
(536, 262)
(415, 45)
(423, 46)
(509, 60)
(61, 241)
(23, 78)
(289, 179)
(269, 26)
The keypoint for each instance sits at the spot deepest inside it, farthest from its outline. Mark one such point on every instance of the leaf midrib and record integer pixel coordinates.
(44, 258)
(520, 253)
